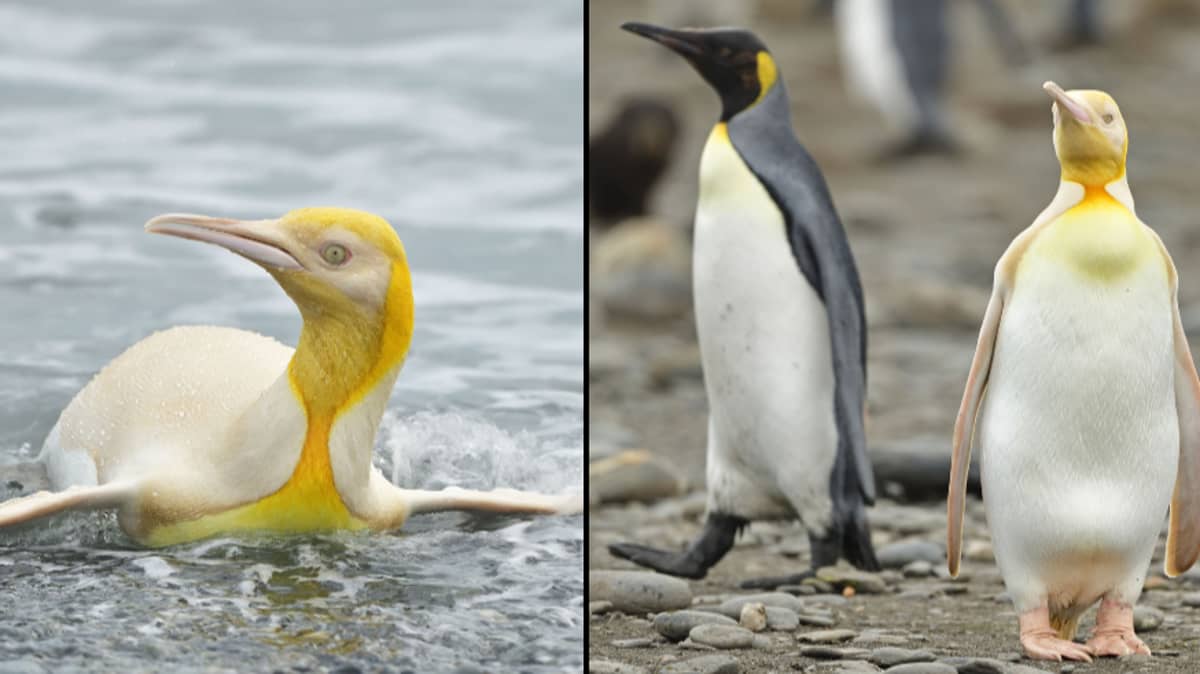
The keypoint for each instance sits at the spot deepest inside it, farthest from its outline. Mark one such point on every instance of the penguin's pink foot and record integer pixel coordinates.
(1114, 631)
(1041, 642)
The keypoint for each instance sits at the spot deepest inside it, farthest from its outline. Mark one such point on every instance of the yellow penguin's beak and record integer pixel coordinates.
(257, 240)
(1065, 103)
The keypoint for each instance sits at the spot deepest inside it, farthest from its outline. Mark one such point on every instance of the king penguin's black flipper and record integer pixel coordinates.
(714, 541)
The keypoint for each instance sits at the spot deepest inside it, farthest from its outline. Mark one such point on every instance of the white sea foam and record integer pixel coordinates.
(154, 567)
(434, 450)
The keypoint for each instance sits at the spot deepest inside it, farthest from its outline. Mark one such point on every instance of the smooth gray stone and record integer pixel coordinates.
(822, 652)
(1147, 618)
(878, 640)
(725, 637)
(782, 619)
(827, 636)
(966, 665)
(640, 642)
(733, 607)
(705, 664)
(900, 554)
(610, 667)
(638, 592)
(863, 582)
(817, 619)
(676, 625)
(890, 656)
(918, 569)
(922, 668)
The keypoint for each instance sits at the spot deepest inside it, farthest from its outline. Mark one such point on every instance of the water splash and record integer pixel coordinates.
(432, 450)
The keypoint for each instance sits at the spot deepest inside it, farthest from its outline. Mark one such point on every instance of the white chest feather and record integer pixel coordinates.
(1078, 433)
(182, 403)
(764, 342)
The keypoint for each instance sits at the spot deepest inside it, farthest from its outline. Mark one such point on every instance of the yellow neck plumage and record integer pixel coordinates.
(341, 357)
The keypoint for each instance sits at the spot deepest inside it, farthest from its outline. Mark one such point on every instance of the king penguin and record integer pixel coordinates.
(896, 54)
(197, 431)
(779, 314)
(1084, 402)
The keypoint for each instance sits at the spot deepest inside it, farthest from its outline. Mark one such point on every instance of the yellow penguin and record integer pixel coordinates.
(197, 431)
(1084, 402)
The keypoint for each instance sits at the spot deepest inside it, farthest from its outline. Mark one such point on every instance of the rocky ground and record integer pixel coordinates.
(926, 234)
(910, 613)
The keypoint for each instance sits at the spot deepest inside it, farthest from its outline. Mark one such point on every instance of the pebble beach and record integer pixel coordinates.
(926, 233)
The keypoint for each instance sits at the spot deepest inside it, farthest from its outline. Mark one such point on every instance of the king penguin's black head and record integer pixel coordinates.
(735, 62)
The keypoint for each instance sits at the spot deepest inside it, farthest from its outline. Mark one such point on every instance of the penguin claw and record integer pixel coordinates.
(1117, 645)
(671, 563)
(1041, 642)
(1050, 647)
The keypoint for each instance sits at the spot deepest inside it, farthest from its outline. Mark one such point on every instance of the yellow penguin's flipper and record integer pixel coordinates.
(44, 503)
(1183, 534)
(497, 500)
(964, 427)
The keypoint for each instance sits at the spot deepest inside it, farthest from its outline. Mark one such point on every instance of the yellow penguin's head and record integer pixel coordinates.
(1089, 135)
(345, 269)
(734, 61)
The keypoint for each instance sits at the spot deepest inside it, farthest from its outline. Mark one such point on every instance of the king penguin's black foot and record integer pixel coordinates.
(772, 582)
(714, 541)
(1074, 40)
(822, 8)
(918, 145)
(673, 563)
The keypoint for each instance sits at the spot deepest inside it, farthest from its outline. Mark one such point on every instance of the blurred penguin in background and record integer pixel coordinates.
(626, 160)
(896, 55)
(1090, 23)
(1082, 24)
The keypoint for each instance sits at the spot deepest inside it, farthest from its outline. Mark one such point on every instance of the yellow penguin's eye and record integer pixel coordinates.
(1108, 118)
(335, 254)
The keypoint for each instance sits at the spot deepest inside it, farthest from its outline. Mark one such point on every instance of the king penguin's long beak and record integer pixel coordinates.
(256, 240)
(1064, 100)
(682, 41)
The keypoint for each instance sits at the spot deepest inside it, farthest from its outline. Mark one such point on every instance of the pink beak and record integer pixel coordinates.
(1064, 100)
(257, 240)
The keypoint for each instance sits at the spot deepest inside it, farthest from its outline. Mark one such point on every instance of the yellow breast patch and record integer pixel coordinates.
(1098, 237)
(308, 502)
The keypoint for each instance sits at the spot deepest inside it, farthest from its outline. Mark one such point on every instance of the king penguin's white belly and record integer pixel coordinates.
(764, 341)
(1078, 434)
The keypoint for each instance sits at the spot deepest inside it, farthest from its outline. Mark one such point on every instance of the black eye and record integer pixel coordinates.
(1108, 118)
(335, 254)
